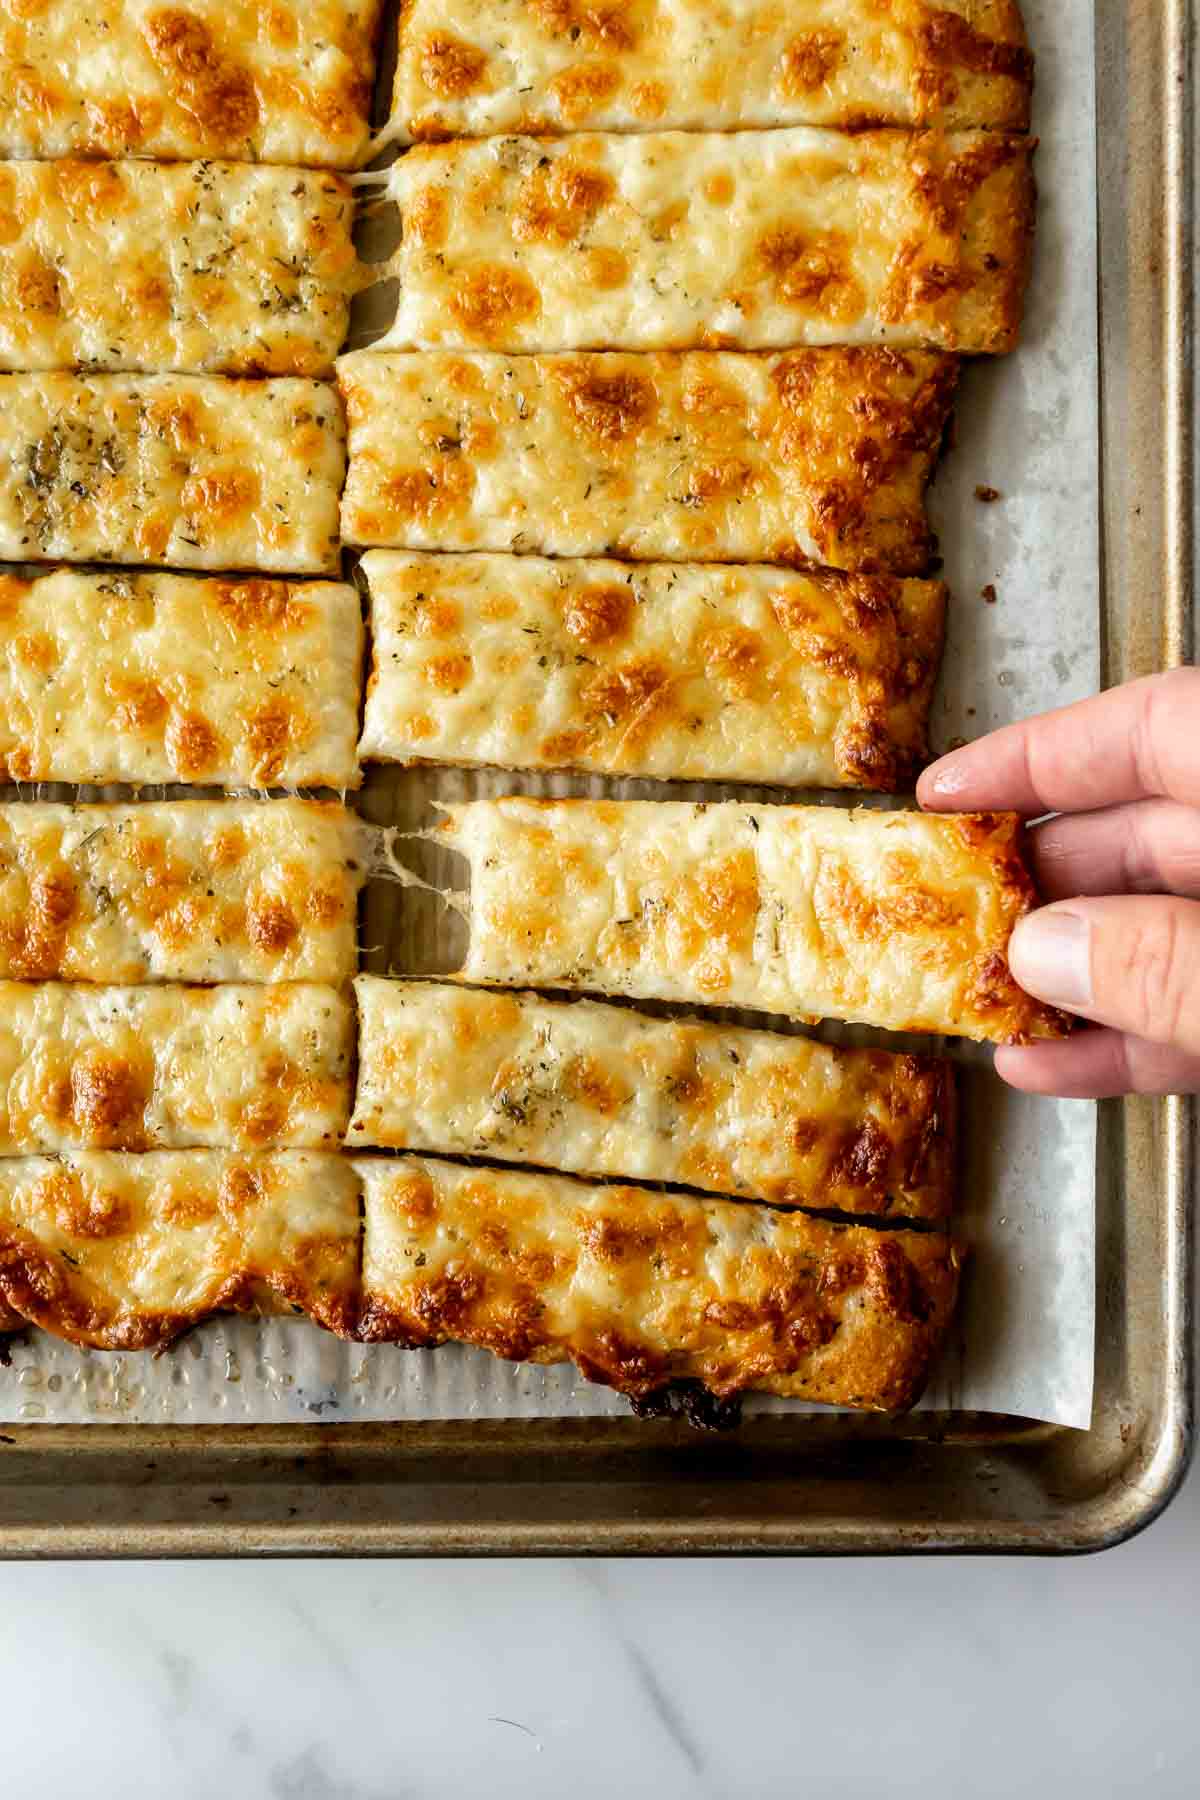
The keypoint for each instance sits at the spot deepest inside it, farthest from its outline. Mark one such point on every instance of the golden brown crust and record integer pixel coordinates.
(640, 1289)
(246, 683)
(899, 920)
(127, 1252)
(473, 68)
(257, 80)
(668, 670)
(813, 456)
(193, 471)
(202, 267)
(684, 240)
(605, 1091)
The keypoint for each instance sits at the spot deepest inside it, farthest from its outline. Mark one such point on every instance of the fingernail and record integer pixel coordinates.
(946, 779)
(1050, 955)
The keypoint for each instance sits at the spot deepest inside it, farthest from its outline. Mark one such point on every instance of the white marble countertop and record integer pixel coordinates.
(392, 1681)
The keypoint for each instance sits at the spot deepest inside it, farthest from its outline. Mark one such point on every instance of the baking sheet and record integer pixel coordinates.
(1028, 427)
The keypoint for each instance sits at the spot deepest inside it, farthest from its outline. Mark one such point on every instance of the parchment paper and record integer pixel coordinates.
(1028, 427)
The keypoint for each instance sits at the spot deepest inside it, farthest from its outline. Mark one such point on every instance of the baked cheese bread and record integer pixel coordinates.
(263, 80)
(181, 890)
(471, 68)
(642, 1289)
(188, 470)
(818, 456)
(179, 678)
(680, 240)
(122, 1252)
(605, 1091)
(157, 266)
(894, 919)
(163, 1068)
(691, 672)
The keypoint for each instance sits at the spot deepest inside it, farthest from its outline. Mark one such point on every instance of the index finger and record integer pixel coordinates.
(1136, 742)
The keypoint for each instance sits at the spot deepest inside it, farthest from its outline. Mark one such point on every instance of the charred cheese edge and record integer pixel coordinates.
(207, 267)
(605, 1091)
(817, 456)
(643, 1289)
(177, 678)
(166, 1068)
(676, 671)
(189, 470)
(894, 919)
(680, 240)
(180, 890)
(121, 1252)
(261, 82)
(484, 67)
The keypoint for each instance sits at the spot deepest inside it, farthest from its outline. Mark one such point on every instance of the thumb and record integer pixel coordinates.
(1130, 962)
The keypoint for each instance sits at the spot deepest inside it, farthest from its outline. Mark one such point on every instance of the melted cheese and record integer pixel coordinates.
(127, 1252)
(641, 1289)
(679, 671)
(171, 678)
(179, 891)
(900, 920)
(162, 1068)
(264, 80)
(818, 456)
(678, 240)
(182, 469)
(201, 266)
(470, 68)
(602, 1090)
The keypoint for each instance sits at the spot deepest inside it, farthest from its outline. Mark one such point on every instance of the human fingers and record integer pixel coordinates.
(1149, 847)
(1099, 1065)
(1129, 962)
(1140, 741)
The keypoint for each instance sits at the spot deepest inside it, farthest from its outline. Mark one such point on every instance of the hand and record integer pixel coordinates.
(1120, 942)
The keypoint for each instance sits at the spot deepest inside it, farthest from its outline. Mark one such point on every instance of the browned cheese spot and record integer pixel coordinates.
(449, 66)
(815, 274)
(268, 734)
(448, 674)
(598, 24)
(38, 289)
(559, 200)
(598, 615)
(33, 946)
(95, 1215)
(808, 62)
(428, 496)
(261, 606)
(491, 299)
(951, 41)
(584, 87)
(271, 925)
(89, 188)
(733, 657)
(139, 704)
(425, 219)
(220, 498)
(206, 82)
(586, 1080)
(614, 408)
(630, 700)
(862, 1158)
(108, 1101)
(192, 744)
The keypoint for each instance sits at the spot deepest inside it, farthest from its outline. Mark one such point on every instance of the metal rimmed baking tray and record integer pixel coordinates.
(807, 1484)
